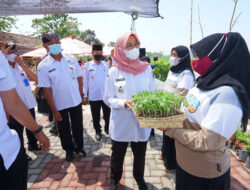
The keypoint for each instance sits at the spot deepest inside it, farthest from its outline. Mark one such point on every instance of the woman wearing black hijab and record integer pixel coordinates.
(216, 107)
(180, 79)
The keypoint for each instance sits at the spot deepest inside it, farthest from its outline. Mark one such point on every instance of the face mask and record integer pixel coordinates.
(98, 57)
(173, 61)
(202, 65)
(11, 57)
(55, 49)
(132, 54)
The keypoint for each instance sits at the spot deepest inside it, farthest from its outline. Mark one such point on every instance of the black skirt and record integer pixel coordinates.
(168, 152)
(186, 181)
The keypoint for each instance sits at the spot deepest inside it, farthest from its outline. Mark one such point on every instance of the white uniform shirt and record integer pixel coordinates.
(218, 110)
(61, 77)
(23, 86)
(121, 86)
(9, 140)
(174, 81)
(94, 79)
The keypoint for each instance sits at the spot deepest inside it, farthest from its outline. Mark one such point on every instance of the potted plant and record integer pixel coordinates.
(159, 109)
(247, 150)
(236, 147)
(242, 153)
(232, 141)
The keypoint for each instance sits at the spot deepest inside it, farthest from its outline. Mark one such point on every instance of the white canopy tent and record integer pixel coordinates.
(69, 46)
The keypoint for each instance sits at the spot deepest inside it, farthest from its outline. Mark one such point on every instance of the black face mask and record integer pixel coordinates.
(98, 57)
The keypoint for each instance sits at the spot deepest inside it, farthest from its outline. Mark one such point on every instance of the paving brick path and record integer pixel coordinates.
(51, 171)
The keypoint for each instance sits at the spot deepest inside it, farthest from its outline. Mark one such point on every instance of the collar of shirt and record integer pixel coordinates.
(65, 56)
(93, 63)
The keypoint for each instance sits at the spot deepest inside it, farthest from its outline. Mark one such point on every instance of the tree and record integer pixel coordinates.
(6, 23)
(89, 37)
(63, 24)
(233, 20)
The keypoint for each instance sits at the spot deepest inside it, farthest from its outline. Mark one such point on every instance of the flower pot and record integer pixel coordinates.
(231, 145)
(234, 148)
(237, 151)
(247, 163)
(227, 143)
(243, 155)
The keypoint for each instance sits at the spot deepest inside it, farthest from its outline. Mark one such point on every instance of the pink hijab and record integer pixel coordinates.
(122, 62)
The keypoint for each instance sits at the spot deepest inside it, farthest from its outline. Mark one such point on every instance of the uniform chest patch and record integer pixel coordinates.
(193, 103)
(171, 83)
(121, 79)
(52, 70)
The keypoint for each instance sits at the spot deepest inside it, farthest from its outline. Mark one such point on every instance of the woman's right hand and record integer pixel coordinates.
(128, 104)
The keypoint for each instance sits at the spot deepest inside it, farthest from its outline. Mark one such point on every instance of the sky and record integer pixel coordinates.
(161, 35)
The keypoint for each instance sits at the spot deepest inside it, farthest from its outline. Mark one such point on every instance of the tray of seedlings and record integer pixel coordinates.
(158, 109)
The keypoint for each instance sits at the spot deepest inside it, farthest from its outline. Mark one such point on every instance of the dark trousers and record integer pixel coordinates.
(186, 181)
(118, 153)
(65, 128)
(50, 117)
(14, 124)
(168, 152)
(16, 176)
(95, 107)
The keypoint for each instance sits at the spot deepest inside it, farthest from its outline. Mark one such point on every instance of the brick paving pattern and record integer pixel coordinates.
(51, 171)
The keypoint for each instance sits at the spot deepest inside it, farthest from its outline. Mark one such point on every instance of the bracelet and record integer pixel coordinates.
(38, 130)
(82, 95)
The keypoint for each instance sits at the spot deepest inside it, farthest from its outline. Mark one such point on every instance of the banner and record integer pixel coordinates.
(143, 8)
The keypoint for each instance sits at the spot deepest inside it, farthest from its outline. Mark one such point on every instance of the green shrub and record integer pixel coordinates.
(241, 136)
(246, 148)
(161, 70)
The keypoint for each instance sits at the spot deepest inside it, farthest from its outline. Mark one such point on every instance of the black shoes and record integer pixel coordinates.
(69, 156)
(54, 129)
(113, 185)
(98, 136)
(81, 153)
(106, 131)
(142, 185)
(29, 158)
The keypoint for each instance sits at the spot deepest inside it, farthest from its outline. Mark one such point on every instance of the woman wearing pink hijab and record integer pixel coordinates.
(126, 78)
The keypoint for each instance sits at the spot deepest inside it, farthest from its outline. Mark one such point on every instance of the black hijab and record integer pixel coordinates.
(185, 64)
(230, 67)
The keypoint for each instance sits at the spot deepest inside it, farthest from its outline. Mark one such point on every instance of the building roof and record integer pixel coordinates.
(24, 43)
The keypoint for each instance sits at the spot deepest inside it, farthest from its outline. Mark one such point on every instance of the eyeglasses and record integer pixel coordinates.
(130, 46)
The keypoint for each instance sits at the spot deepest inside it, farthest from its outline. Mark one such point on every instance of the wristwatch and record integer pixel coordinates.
(82, 95)
(38, 130)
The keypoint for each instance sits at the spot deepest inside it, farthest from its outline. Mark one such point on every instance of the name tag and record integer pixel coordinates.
(121, 79)
(91, 69)
(52, 70)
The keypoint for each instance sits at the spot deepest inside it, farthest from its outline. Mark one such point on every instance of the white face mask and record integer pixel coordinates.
(173, 61)
(11, 57)
(132, 54)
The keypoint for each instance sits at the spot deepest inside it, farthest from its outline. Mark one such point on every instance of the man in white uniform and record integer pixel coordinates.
(13, 160)
(61, 78)
(95, 73)
(21, 75)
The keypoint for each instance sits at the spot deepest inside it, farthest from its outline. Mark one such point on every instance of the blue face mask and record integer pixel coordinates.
(55, 49)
